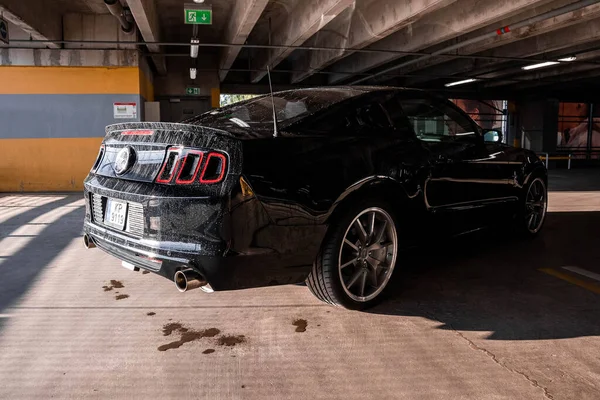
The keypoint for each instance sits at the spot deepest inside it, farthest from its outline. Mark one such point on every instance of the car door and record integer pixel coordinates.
(464, 175)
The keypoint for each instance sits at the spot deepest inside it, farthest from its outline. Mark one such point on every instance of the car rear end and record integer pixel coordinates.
(157, 198)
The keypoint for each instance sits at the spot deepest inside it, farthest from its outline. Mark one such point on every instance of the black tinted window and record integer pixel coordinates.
(290, 106)
(370, 117)
(433, 121)
(402, 126)
(347, 120)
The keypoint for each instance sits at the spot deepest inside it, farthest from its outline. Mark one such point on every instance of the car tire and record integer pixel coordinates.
(354, 265)
(533, 206)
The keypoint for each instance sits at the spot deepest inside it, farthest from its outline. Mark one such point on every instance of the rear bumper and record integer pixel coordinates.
(232, 246)
(222, 273)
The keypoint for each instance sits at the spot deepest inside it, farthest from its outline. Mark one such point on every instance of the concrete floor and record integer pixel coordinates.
(481, 318)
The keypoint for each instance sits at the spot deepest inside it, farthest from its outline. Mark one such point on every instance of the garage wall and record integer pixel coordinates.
(53, 120)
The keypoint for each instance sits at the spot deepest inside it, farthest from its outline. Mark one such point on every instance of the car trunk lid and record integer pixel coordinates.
(138, 151)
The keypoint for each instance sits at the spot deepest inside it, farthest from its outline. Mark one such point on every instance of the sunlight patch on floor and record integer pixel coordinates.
(20, 237)
(573, 201)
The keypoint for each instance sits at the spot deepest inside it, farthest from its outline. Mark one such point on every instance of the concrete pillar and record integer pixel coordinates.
(550, 126)
(539, 121)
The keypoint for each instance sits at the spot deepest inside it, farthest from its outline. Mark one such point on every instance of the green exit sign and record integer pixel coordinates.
(198, 17)
(192, 91)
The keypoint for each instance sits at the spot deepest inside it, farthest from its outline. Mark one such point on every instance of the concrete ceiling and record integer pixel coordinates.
(361, 41)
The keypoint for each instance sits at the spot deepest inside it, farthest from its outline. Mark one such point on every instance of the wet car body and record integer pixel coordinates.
(265, 221)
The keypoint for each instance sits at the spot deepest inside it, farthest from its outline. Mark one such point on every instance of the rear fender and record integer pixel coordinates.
(381, 187)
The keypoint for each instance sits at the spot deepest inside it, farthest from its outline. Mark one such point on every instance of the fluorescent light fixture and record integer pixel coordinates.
(193, 73)
(540, 65)
(568, 59)
(194, 48)
(460, 82)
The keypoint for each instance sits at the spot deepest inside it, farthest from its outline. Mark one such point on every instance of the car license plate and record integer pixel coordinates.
(116, 212)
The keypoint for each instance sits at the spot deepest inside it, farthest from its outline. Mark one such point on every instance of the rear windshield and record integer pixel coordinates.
(256, 115)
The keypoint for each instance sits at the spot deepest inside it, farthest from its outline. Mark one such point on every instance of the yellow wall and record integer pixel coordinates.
(41, 165)
(60, 164)
(69, 80)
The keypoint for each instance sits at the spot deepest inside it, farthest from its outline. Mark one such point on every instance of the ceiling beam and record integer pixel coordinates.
(444, 65)
(42, 22)
(360, 26)
(557, 42)
(146, 18)
(532, 79)
(242, 21)
(433, 29)
(303, 21)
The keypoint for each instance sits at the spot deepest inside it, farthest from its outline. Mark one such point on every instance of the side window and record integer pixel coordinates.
(364, 119)
(402, 126)
(369, 117)
(436, 122)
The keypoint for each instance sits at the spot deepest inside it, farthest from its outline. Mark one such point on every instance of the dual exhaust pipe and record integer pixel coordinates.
(188, 279)
(185, 279)
(88, 242)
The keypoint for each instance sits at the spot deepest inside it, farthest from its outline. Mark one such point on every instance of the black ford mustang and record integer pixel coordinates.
(330, 194)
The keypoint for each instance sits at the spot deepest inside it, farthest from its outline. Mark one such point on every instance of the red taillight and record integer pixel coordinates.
(99, 158)
(185, 165)
(214, 168)
(169, 165)
(189, 167)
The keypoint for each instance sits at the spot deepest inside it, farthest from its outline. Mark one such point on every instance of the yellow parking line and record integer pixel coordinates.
(571, 279)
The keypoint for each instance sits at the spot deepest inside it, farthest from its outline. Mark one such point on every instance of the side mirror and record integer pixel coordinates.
(492, 135)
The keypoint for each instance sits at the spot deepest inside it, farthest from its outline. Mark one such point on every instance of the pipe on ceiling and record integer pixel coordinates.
(116, 8)
(547, 15)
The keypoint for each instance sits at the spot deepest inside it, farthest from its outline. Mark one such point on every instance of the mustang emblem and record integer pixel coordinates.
(125, 160)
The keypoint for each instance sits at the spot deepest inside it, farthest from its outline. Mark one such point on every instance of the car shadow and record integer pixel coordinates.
(20, 269)
(491, 281)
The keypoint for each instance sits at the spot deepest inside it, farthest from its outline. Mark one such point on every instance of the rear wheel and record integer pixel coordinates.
(357, 258)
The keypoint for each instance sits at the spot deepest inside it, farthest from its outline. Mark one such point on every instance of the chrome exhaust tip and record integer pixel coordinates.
(188, 279)
(88, 242)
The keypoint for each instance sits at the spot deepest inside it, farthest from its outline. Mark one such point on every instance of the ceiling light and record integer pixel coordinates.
(568, 59)
(194, 48)
(192, 73)
(540, 65)
(198, 1)
(460, 82)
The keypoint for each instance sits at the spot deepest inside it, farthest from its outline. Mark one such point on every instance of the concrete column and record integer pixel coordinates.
(539, 120)
(550, 126)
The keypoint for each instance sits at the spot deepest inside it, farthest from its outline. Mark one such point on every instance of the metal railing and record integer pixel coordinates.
(547, 157)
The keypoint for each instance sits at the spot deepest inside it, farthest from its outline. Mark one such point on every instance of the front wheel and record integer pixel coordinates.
(357, 258)
(533, 207)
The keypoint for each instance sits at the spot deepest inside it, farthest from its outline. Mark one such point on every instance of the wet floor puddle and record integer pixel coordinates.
(188, 335)
(300, 325)
(113, 285)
